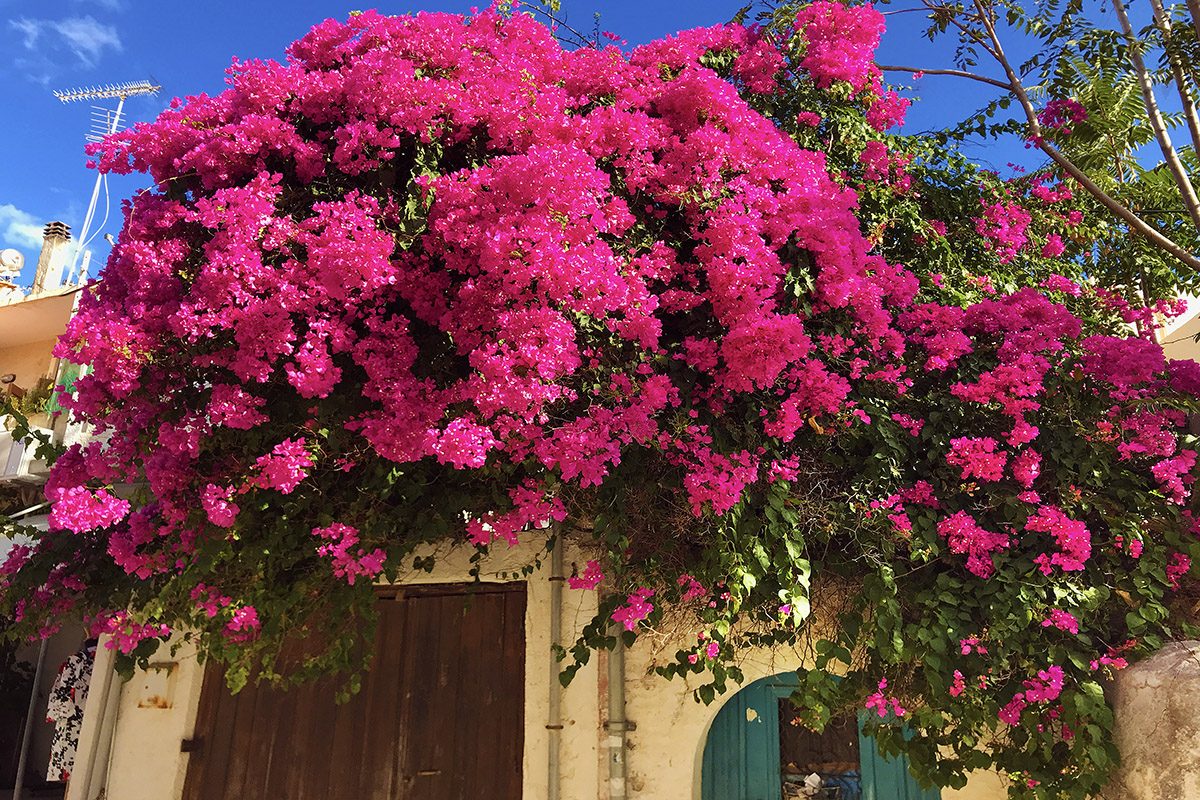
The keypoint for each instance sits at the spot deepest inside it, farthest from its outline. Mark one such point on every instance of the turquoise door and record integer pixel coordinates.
(741, 754)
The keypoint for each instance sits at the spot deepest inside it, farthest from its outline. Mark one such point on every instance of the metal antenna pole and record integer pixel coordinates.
(91, 212)
(117, 90)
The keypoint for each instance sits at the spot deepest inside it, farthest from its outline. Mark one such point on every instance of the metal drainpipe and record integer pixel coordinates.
(617, 726)
(19, 785)
(554, 725)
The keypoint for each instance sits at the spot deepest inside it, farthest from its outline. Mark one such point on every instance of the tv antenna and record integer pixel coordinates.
(105, 122)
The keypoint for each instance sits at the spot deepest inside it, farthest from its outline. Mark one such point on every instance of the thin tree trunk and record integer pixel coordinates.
(1194, 12)
(1184, 184)
(1163, 23)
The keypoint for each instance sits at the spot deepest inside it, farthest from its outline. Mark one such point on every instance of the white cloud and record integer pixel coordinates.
(83, 36)
(88, 38)
(19, 228)
(29, 28)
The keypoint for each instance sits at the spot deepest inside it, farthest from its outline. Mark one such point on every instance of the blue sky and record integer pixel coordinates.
(186, 46)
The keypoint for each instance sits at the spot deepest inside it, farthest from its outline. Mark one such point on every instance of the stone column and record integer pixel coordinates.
(1156, 707)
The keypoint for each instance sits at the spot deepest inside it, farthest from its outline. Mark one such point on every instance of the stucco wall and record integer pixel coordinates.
(132, 730)
(29, 362)
(664, 752)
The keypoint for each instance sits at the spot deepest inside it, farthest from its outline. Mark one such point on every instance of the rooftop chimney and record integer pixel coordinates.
(53, 257)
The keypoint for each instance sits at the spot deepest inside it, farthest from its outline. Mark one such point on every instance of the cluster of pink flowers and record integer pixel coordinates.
(972, 643)
(1026, 467)
(79, 509)
(691, 588)
(879, 703)
(978, 458)
(285, 466)
(1063, 620)
(348, 560)
(209, 600)
(218, 505)
(1060, 114)
(1178, 566)
(965, 536)
(1004, 225)
(125, 634)
(888, 111)
(1046, 687)
(709, 651)
(244, 624)
(589, 579)
(636, 609)
(1072, 537)
(841, 41)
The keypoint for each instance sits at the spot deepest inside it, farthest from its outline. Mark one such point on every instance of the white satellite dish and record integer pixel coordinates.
(11, 261)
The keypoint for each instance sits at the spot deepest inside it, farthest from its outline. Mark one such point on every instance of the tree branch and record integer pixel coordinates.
(958, 73)
(951, 17)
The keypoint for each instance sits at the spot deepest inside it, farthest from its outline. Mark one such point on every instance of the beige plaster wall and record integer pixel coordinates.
(663, 756)
(29, 362)
(1177, 341)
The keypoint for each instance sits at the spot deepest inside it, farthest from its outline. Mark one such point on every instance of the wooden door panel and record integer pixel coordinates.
(440, 715)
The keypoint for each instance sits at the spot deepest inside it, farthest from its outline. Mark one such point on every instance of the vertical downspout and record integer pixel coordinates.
(554, 725)
(19, 785)
(617, 726)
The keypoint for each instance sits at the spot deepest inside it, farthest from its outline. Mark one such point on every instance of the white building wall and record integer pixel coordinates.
(144, 762)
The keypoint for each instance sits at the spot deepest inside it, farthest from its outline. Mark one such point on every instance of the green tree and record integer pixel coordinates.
(1119, 149)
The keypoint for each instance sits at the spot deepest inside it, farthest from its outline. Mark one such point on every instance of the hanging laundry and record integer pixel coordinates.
(65, 709)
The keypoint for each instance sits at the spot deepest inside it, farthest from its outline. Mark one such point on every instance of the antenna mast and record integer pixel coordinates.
(104, 123)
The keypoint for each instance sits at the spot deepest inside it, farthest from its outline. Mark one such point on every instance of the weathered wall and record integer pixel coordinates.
(664, 753)
(1156, 705)
(29, 362)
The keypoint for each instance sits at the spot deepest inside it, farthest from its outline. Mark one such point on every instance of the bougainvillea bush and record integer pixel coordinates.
(437, 279)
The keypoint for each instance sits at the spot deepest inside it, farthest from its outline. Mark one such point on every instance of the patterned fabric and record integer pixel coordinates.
(65, 710)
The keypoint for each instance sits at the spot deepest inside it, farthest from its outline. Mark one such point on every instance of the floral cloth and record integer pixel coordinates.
(65, 710)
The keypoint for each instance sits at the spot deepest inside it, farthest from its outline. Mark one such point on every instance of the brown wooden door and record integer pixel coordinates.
(440, 715)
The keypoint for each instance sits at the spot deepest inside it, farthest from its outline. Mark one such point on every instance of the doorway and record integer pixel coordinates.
(440, 715)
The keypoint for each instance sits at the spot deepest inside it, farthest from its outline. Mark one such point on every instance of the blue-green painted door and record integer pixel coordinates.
(741, 754)
(886, 778)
